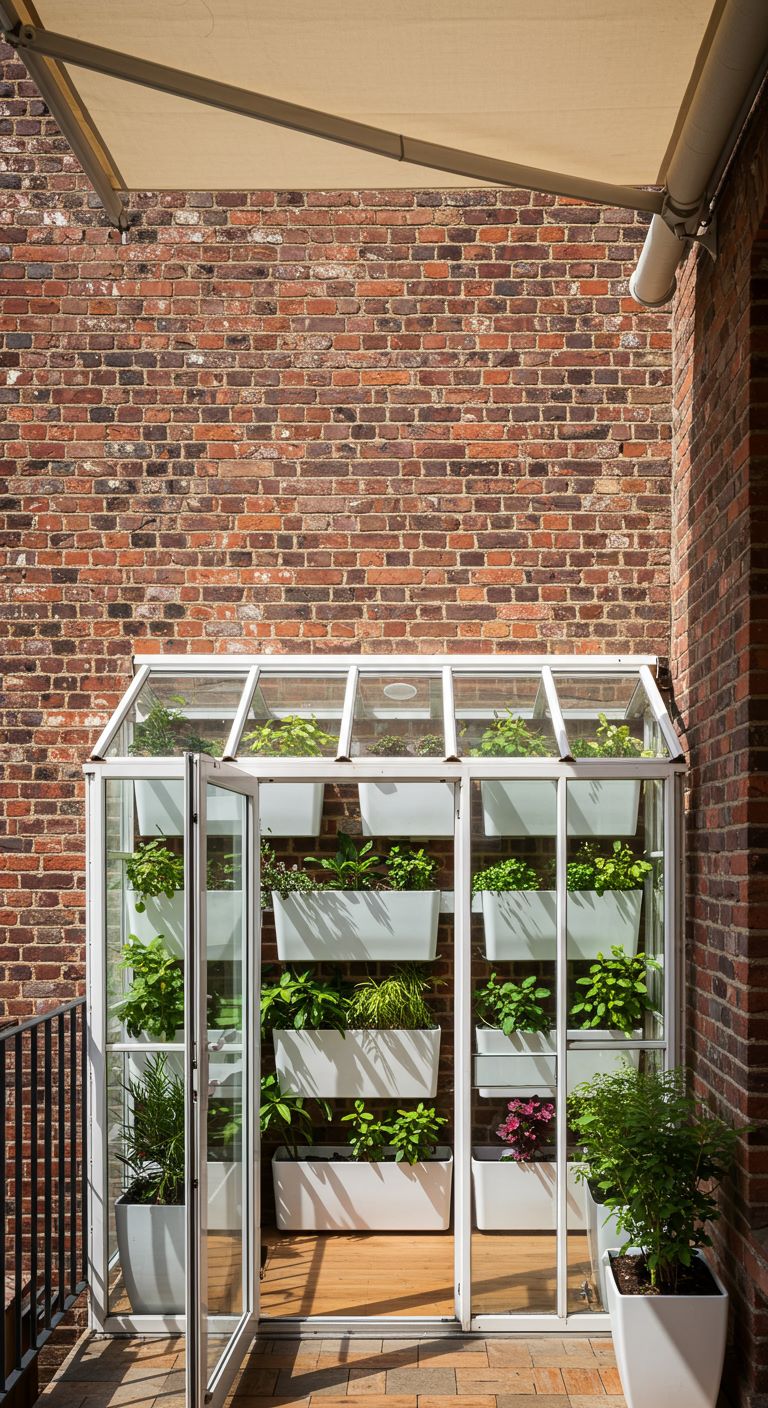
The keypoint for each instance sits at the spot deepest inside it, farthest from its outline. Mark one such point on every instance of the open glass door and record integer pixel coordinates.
(222, 959)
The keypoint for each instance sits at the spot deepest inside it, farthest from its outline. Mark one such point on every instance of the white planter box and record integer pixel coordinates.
(669, 1349)
(224, 922)
(285, 809)
(396, 925)
(319, 1193)
(522, 924)
(367, 1064)
(602, 1235)
(525, 1063)
(150, 1244)
(529, 807)
(412, 809)
(511, 1197)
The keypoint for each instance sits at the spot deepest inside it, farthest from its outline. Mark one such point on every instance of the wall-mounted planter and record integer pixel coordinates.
(326, 1191)
(365, 1064)
(224, 919)
(412, 809)
(291, 808)
(512, 1197)
(285, 809)
(522, 924)
(357, 925)
(528, 807)
(525, 1063)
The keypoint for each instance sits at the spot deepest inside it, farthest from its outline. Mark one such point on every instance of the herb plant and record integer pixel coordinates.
(525, 1127)
(304, 1003)
(393, 1003)
(352, 867)
(167, 731)
(616, 995)
(612, 741)
(414, 1133)
(511, 737)
(390, 745)
(154, 1003)
(656, 1161)
(289, 737)
(222, 872)
(410, 869)
(432, 745)
(368, 1135)
(514, 1007)
(620, 870)
(153, 1136)
(287, 1117)
(506, 875)
(154, 870)
(280, 878)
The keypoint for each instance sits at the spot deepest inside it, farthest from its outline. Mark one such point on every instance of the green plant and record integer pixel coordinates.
(612, 741)
(222, 872)
(410, 869)
(414, 1133)
(368, 1135)
(154, 1003)
(153, 1135)
(302, 1002)
(390, 745)
(510, 737)
(352, 867)
(620, 870)
(393, 1003)
(280, 878)
(514, 1007)
(166, 731)
(655, 1161)
(616, 995)
(506, 875)
(287, 1117)
(432, 745)
(289, 737)
(152, 870)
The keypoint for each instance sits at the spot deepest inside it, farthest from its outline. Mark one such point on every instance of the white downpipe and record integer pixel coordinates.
(736, 56)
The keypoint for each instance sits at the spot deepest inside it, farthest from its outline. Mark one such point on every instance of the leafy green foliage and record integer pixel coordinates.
(287, 1117)
(510, 737)
(509, 874)
(411, 1134)
(166, 731)
(154, 870)
(616, 994)
(352, 867)
(410, 869)
(432, 745)
(154, 1003)
(395, 1003)
(302, 1002)
(153, 1135)
(390, 745)
(368, 1135)
(514, 1007)
(223, 872)
(621, 869)
(289, 737)
(280, 878)
(612, 741)
(656, 1162)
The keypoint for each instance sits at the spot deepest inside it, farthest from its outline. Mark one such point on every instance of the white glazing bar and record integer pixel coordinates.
(194, 1001)
(347, 716)
(413, 664)
(98, 1234)
(449, 716)
(121, 712)
(658, 709)
(561, 1030)
(556, 713)
(238, 723)
(462, 919)
(672, 935)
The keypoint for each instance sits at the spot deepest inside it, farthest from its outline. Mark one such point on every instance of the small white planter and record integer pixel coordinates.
(407, 808)
(320, 1193)
(525, 1063)
(150, 1244)
(669, 1349)
(370, 1064)
(602, 1235)
(357, 924)
(224, 922)
(290, 808)
(529, 807)
(512, 1197)
(285, 809)
(522, 924)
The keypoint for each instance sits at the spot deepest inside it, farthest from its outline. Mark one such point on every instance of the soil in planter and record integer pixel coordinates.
(634, 1279)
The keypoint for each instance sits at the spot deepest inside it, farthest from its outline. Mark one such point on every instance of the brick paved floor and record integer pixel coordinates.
(540, 1372)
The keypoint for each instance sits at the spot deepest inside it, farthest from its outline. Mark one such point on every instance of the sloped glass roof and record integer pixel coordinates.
(342, 707)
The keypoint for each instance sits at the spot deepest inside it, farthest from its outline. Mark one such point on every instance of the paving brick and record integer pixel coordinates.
(582, 1381)
(418, 1380)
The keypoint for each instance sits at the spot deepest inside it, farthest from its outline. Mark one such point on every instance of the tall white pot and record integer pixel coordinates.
(365, 1064)
(525, 1063)
(224, 919)
(413, 809)
(669, 1349)
(285, 809)
(150, 1244)
(395, 925)
(324, 1190)
(512, 1197)
(522, 924)
(528, 807)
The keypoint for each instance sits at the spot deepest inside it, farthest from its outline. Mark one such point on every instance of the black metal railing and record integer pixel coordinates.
(43, 1181)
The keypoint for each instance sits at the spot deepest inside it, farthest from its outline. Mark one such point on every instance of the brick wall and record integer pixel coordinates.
(720, 535)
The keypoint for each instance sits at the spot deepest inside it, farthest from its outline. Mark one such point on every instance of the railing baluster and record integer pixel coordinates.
(48, 1168)
(3, 1209)
(72, 1150)
(18, 1194)
(84, 1141)
(60, 1208)
(33, 1188)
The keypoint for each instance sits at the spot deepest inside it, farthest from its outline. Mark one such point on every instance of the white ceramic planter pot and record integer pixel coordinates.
(522, 924)
(669, 1349)
(150, 1244)
(525, 1063)
(285, 809)
(529, 807)
(369, 1064)
(318, 1192)
(224, 920)
(511, 1197)
(406, 808)
(334, 925)
(291, 808)
(602, 1235)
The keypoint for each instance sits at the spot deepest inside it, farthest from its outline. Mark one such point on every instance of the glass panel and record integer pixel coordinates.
(294, 716)
(177, 714)
(503, 716)
(399, 716)
(608, 716)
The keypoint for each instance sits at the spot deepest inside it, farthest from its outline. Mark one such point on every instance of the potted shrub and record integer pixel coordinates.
(393, 1177)
(611, 1009)
(656, 1160)
(165, 733)
(380, 1041)
(367, 908)
(407, 808)
(515, 1187)
(514, 1023)
(154, 899)
(605, 807)
(290, 808)
(519, 918)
